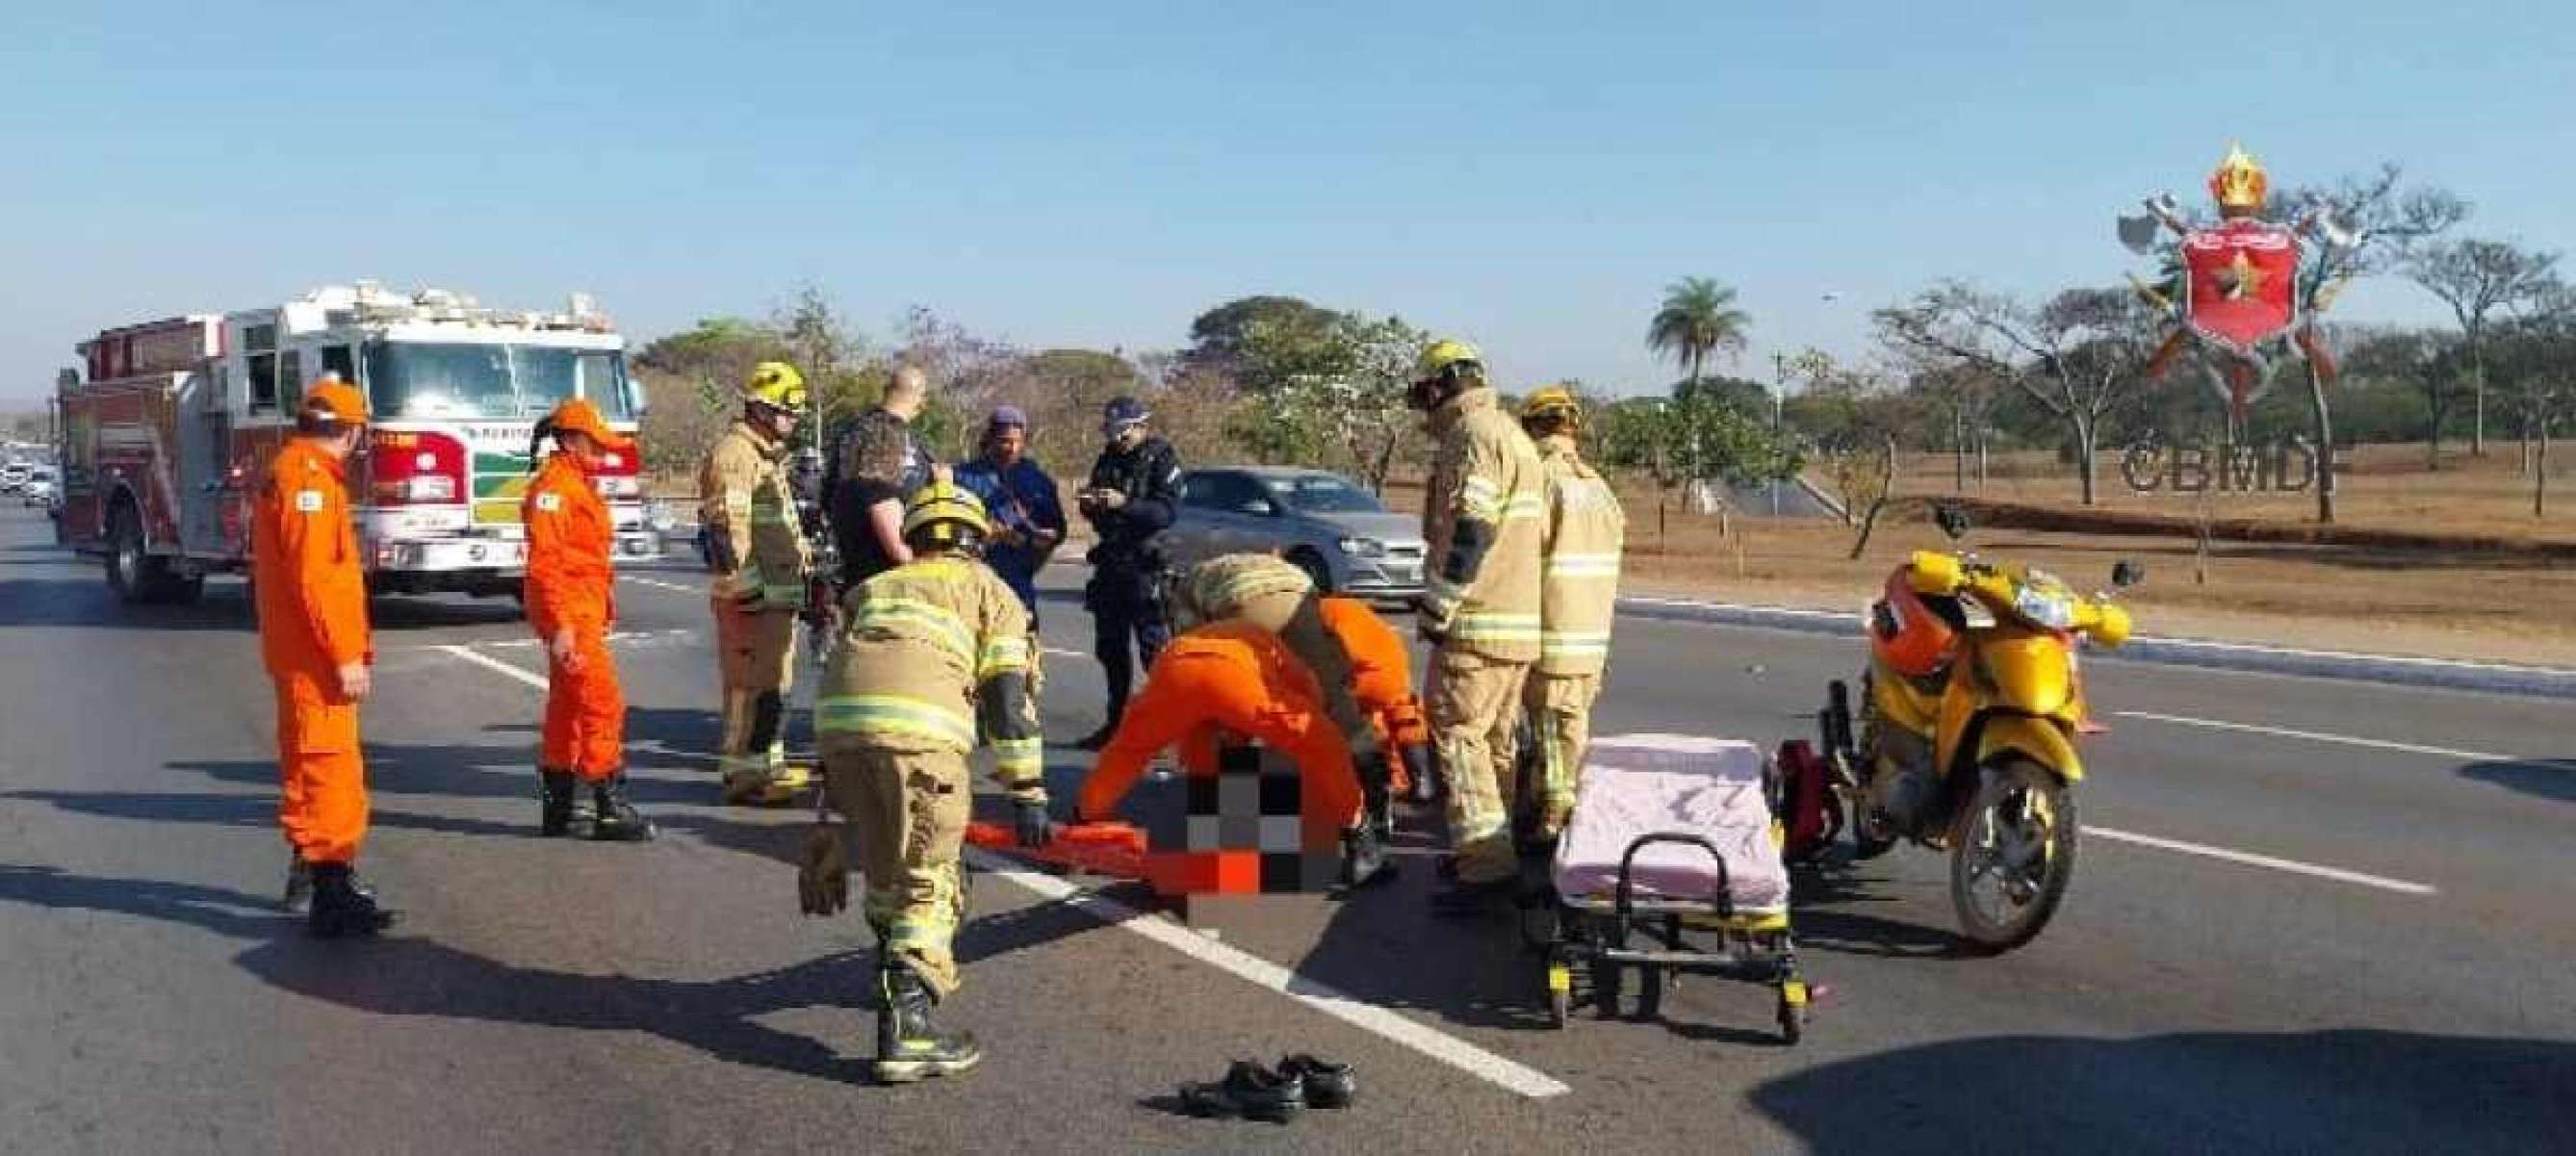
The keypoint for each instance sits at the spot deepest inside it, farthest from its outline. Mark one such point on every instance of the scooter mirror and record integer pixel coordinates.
(2125, 574)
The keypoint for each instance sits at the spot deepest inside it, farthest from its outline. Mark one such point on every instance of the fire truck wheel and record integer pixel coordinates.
(135, 573)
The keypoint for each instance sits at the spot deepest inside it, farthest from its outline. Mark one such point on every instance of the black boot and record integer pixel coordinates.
(341, 907)
(909, 1046)
(1099, 738)
(555, 819)
(618, 819)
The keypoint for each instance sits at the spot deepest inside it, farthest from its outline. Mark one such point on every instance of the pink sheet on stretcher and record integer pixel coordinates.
(1652, 783)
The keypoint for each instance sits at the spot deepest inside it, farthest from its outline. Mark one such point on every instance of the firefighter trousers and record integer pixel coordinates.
(756, 664)
(909, 808)
(1475, 716)
(323, 809)
(585, 726)
(1560, 717)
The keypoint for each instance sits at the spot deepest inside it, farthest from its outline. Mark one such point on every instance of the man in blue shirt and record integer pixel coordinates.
(1028, 518)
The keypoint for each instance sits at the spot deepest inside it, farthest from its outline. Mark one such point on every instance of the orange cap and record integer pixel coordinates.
(339, 401)
(577, 415)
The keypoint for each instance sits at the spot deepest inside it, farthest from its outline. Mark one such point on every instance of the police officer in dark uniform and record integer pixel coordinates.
(1131, 498)
(873, 467)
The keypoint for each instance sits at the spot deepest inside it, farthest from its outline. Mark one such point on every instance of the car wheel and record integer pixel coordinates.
(1313, 564)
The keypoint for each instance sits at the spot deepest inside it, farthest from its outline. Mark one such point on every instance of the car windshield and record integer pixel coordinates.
(441, 379)
(1324, 494)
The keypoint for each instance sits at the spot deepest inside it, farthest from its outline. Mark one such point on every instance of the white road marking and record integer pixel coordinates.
(1448, 1049)
(2320, 737)
(658, 584)
(494, 665)
(1060, 652)
(2250, 859)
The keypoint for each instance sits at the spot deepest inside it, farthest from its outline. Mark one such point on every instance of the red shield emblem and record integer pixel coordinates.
(2240, 283)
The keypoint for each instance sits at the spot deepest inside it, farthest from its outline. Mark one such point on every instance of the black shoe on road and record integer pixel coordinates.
(1326, 1084)
(1248, 1090)
(1097, 739)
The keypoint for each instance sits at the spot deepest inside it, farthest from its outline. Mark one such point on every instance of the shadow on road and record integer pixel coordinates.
(401, 976)
(244, 810)
(1827, 906)
(2333, 1091)
(2553, 779)
(88, 601)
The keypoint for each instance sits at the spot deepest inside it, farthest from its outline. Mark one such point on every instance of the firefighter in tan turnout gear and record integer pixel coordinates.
(1482, 517)
(1579, 543)
(935, 654)
(764, 569)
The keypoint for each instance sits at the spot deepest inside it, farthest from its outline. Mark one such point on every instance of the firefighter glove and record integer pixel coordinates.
(823, 880)
(1031, 824)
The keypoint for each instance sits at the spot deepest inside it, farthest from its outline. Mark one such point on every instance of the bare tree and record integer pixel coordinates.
(2477, 278)
(2077, 356)
(2386, 224)
(2537, 356)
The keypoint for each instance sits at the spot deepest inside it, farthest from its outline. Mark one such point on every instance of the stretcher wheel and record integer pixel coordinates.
(1793, 1010)
(1650, 992)
(1560, 992)
(1605, 988)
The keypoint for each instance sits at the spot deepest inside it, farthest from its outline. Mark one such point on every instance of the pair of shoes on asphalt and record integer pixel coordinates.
(332, 901)
(1254, 1092)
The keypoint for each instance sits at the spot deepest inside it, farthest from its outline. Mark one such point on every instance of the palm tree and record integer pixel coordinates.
(1699, 317)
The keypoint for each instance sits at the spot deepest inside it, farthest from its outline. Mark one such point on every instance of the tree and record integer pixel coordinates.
(2537, 360)
(2077, 356)
(2430, 363)
(691, 381)
(2386, 225)
(2476, 278)
(1698, 318)
(1218, 336)
(1328, 390)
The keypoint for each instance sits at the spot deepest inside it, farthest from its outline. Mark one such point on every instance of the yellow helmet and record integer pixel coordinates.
(777, 385)
(1557, 402)
(944, 514)
(1446, 352)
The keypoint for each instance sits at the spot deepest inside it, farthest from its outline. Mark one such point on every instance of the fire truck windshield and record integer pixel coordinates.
(421, 379)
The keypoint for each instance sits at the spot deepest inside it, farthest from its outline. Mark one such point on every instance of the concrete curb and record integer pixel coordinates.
(2396, 670)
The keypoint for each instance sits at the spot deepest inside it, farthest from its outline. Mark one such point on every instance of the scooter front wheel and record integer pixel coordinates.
(2012, 854)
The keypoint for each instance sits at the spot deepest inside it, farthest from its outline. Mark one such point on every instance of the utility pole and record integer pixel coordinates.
(1779, 409)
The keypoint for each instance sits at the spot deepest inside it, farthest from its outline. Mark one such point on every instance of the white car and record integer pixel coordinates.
(39, 489)
(13, 477)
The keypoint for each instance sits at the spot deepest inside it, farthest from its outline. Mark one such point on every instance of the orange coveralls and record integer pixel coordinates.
(312, 592)
(1382, 670)
(1231, 677)
(570, 586)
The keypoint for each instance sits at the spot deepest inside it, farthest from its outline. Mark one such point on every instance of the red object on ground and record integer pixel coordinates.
(1808, 804)
(1100, 848)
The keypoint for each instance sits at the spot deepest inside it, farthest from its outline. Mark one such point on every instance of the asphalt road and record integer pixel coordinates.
(2311, 917)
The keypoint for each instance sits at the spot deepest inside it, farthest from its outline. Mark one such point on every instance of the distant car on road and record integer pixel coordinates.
(1339, 533)
(38, 489)
(13, 477)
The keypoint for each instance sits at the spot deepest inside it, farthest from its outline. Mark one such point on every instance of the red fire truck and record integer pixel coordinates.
(167, 426)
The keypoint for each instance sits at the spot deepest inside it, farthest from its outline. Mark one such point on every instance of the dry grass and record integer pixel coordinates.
(2498, 608)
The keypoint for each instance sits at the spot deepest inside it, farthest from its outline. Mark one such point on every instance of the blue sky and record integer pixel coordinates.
(1528, 175)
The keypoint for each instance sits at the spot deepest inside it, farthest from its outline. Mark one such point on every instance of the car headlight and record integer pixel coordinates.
(1362, 547)
(2052, 609)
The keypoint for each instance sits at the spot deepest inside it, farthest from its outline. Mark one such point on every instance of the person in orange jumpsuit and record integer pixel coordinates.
(312, 600)
(1234, 678)
(571, 600)
(1382, 681)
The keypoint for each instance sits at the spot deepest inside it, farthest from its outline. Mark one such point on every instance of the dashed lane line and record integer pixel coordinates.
(1510, 1075)
(2250, 859)
(2320, 737)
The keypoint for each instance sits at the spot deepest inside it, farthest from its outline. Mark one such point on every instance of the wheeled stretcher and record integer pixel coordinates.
(1671, 865)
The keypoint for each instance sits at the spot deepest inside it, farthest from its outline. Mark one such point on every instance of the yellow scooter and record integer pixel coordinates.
(1968, 721)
